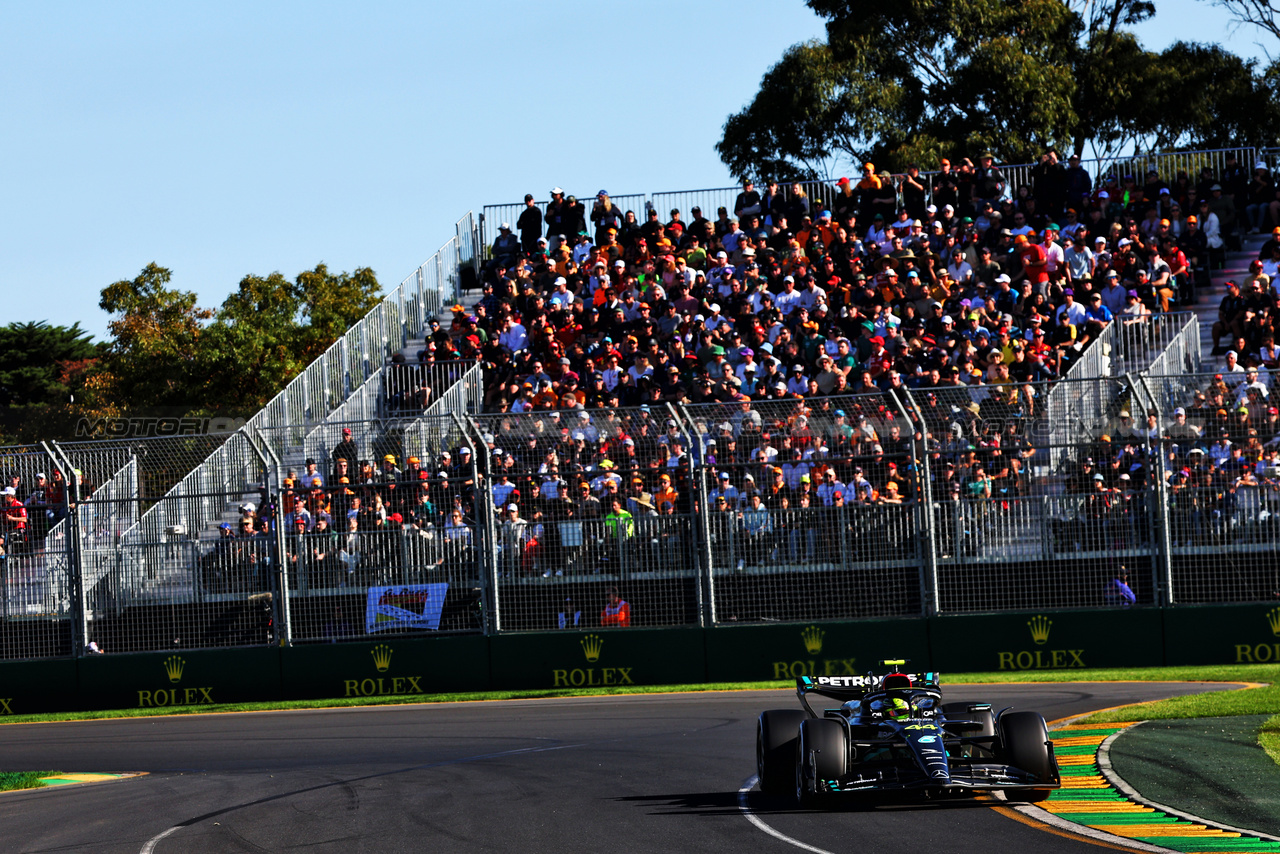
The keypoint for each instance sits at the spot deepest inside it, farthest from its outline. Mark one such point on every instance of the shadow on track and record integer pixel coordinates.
(709, 804)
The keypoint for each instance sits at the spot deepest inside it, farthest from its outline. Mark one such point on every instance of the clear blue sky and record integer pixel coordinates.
(222, 139)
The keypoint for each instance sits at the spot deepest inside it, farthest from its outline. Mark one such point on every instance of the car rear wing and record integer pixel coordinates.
(846, 688)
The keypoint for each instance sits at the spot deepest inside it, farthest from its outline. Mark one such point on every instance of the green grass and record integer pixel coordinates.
(1208, 673)
(1215, 704)
(11, 780)
(1269, 738)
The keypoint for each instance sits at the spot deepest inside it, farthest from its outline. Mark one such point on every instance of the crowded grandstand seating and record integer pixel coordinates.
(786, 395)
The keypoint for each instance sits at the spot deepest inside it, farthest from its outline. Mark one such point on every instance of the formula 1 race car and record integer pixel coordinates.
(893, 733)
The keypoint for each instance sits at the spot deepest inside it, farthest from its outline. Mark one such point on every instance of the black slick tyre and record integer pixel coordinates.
(1024, 740)
(776, 734)
(822, 753)
(960, 711)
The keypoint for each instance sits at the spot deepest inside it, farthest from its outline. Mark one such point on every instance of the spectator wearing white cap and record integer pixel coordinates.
(788, 298)
(720, 269)
(555, 218)
(506, 246)
(1114, 295)
(1181, 429)
(561, 297)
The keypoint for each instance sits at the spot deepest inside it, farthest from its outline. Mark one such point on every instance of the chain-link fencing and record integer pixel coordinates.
(581, 505)
(951, 499)
(1220, 453)
(810, 508)
(35, 606)
(365, 543)
(1027, 512)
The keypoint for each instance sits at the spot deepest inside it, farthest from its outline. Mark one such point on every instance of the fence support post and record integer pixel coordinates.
(700, 524)
(485, 576)
(486, 539)
(929, 598)
(75, 550)
(1162, 536)
(280, 601)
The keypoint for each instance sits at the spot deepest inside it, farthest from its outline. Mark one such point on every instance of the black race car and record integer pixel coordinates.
(893, 733)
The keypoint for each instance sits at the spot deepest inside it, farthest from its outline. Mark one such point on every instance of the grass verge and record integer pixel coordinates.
(1214, 704)
(1269, 738)
(1258, 701)
(11, 780)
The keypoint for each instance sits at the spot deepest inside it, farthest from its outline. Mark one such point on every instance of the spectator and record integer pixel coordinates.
(616, 611)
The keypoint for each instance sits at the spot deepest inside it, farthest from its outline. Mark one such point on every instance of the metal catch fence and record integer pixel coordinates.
(945, 500)
(808, 505)
(584, 511)
(392, 546)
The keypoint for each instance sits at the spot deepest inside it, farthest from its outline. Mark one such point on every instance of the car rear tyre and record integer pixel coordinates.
(776, 735)
(822, 753)
(960, 711)
(1024, 742)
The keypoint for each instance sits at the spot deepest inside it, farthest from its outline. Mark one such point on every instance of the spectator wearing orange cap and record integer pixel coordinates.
(665, 492)
(1035, 262)
(867, 189)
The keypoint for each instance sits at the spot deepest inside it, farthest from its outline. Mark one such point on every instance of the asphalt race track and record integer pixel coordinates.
(645, 773)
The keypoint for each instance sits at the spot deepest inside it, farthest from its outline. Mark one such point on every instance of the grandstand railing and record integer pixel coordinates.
(1166, 163)
(1125, 346)
(201, 497)
(1181, 354)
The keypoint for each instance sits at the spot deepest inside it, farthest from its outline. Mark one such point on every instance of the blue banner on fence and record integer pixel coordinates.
(406, 606)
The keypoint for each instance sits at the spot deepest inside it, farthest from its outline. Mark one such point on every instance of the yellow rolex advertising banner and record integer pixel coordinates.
(598, 658)
(390, 665)
(1223, 634)
(787, 651)
(1037, 641)
(200, 677)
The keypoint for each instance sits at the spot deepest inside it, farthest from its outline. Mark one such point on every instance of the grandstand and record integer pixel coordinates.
(805, 413)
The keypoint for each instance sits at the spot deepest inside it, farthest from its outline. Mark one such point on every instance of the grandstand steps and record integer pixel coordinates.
(293, 454)
(1206, 307)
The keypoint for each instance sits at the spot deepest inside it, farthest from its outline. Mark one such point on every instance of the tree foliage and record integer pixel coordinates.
(916, 80)
(278, 327)
(156, 356)
(167, 355)
(39, 376)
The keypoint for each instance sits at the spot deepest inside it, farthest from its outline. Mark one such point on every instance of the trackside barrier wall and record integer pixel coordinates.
(1026, 642)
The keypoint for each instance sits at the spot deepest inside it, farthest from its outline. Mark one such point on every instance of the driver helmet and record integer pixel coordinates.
(896, 707)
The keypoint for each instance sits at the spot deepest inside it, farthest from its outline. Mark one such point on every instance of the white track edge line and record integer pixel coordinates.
(150, 847)
(747, 785)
